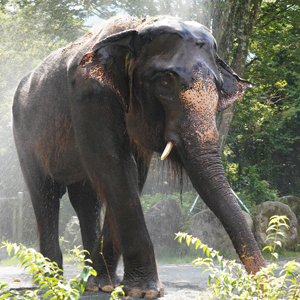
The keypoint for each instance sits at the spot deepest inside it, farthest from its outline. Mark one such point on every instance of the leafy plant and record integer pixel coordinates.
(232, 281)
(118, 291)
(248, 185)
(48, 275)
(275, 224)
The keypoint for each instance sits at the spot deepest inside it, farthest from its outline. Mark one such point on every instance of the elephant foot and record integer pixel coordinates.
(96, 283)
(152, 290)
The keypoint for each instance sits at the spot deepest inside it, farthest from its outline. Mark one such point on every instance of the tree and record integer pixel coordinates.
(264, 141)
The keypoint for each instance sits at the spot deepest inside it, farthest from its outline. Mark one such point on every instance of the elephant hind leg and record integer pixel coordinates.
(87, 207)
(45, 194)
(105, 257)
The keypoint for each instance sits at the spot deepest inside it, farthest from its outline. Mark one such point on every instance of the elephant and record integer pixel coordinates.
(88, 119)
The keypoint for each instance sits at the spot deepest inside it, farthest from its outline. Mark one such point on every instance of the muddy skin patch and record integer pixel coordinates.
(200, 103)
(95, 71)
(89, 35)
(250, 261)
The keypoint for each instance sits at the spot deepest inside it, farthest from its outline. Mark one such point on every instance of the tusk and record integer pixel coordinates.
(167, 151)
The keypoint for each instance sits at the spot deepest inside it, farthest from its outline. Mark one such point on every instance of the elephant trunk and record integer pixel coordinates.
(205, 169)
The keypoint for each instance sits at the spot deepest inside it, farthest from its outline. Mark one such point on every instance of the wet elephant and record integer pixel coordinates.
(88, 119)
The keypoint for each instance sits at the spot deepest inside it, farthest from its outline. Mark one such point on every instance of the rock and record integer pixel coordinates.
(163, 220)
(293, 202)
(269, 209)
(208, 228)
(72, 234)
(249, 220)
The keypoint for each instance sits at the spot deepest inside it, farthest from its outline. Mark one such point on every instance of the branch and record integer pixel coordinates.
(256, 7)
(275, 16)
(286, 20)
(251, 62)
(271, 8)
(97, 11)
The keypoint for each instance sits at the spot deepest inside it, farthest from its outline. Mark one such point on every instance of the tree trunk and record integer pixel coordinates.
(233, 24)
(224, 119)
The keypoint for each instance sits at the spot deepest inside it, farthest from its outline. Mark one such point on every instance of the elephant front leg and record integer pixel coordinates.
(120, 189)
(140, 279)
(108, 245)
(107, 156)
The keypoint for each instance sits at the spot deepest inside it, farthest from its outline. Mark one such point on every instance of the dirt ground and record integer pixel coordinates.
(182, 281)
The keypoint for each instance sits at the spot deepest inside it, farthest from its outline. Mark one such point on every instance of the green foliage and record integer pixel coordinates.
(231, 280)
(265, 128)
(255, 191)
(248, 185)
(10, 261)
(118, 291)
(48, 276)
(275, 224)
(12, 294)
(52, 284)
(31, 30)
(149, 200)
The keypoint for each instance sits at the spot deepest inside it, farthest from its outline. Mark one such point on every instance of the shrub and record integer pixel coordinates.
(233, 282)
(47, 275)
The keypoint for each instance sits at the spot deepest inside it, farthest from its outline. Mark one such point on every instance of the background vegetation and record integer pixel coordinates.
(263, 148)
(260, 40)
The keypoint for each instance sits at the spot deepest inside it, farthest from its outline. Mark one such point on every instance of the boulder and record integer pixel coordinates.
(293, 202)
(208, 228)
(72, 234)
(249, 220)
(269, 209)
(163, 220)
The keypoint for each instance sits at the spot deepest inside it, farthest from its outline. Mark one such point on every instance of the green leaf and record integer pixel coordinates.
(188, 239)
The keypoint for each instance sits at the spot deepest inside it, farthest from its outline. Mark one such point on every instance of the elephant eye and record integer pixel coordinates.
(164, 86)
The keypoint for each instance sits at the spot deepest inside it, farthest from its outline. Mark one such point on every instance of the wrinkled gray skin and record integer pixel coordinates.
(88, 119)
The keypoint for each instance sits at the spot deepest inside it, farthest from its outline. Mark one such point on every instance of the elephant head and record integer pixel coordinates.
(172, 83)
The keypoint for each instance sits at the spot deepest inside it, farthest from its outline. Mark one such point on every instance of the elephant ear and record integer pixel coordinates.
(233, 86)
(107, 61)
